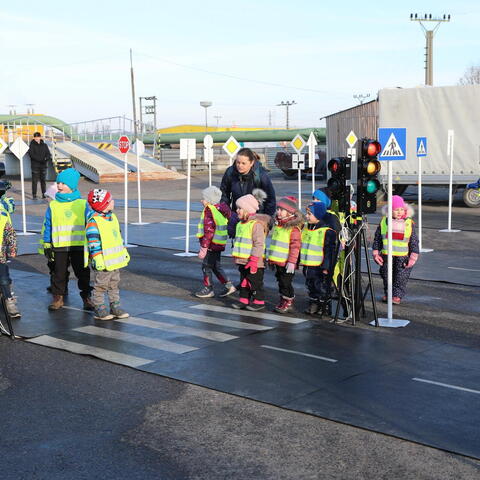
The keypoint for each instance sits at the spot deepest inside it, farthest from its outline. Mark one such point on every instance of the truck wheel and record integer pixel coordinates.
(289, 173)
(471, 197)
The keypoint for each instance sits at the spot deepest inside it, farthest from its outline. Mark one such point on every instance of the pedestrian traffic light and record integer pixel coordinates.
(339, 169)
(367, 182)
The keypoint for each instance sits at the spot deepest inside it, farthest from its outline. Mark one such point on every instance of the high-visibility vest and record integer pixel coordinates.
(221, 234)
(114, 254)
(280, 244)
(311, 251)
(399, 247)
(68, 223)
(243, 244)
(41, 248)
(4, 219)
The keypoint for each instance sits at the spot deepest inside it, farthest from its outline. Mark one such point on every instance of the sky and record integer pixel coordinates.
(73, 62)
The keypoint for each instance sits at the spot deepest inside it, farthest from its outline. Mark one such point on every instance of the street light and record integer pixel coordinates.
(205, 105)
(287, 104)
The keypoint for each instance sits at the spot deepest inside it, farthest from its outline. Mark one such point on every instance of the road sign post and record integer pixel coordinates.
(312, 143)
(19, 148)
(231, 147)
(187, 152)
(139, 149)
(124, 147)
(298, 162)
(208, 155)
(421, 152)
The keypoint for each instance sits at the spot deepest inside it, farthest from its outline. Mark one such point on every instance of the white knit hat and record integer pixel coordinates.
(212, 195)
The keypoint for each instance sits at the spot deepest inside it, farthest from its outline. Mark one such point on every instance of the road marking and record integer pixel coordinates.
(78, 309)
(247, 313)
(213, 320)
(464, 269)
(183, 237)
(169, 327)
(158, 344)
(455, 387)
(109, 355)
(325, 359)
(183, 224)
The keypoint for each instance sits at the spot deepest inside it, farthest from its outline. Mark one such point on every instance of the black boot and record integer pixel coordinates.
(312, 308)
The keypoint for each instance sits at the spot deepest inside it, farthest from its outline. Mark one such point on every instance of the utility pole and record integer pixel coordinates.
(217, 117)
(360, 97)
(287, 104)
(429, 34)
(132, 78)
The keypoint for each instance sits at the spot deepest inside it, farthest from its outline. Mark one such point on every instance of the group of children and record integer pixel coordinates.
(310, 242)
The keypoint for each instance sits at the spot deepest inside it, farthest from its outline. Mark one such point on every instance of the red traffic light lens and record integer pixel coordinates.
(371, 148)
(334, 166)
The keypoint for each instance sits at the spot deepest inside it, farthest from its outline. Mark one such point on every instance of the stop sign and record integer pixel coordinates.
(124, 144)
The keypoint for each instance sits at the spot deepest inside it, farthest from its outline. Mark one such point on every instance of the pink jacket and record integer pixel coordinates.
(209, 227)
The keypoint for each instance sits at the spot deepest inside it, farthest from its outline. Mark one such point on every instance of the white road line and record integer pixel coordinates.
(183, 237)
(325, 359)
(78, 309)
(454, 387)
(180, 223)
(213, 320)
(158, 344)
(109, 355)
(465, 269)
(247, 313)
(169, 327)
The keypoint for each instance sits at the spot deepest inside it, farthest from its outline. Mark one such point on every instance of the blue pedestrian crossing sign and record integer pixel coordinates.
(393, 142)
(421, 146)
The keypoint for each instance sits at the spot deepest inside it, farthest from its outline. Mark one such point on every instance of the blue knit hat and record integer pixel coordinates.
(319, 209)
(321, 197)
(69, 177)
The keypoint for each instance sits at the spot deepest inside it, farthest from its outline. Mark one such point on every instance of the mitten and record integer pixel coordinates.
(48, 252)
(412, 260)
(377, 257)
(98, 264)
(290, 267)
(202, 253)
(252, 264)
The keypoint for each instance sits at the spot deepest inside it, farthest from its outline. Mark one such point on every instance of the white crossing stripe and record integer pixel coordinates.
(138, 339)
(465, 269)
(169, 327)
(109, 355)
(247, 313)
(326, 359)
(213, 320)
(439, 384)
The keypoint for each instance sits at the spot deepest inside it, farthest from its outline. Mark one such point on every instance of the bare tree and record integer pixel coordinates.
(471, 76)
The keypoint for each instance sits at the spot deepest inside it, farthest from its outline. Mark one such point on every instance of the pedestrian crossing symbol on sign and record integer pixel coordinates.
(394, 143)
(421, 146)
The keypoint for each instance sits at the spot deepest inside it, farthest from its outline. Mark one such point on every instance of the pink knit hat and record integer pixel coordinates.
(289, 204)
(248, 203)
(398, 202)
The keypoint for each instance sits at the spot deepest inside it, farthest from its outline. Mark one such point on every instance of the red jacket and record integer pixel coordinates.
(209, 227)
(295, 238)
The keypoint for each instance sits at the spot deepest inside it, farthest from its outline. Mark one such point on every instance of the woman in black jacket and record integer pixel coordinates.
(39, 156)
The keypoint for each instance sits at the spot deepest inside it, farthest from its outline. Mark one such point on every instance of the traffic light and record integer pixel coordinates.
(339, 169)
(367, 182)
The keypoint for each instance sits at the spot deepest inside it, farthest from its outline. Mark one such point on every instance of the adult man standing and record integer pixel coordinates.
(39, 156)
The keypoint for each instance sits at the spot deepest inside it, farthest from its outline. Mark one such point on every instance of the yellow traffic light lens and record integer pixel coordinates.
(373, 167)
(334, 185)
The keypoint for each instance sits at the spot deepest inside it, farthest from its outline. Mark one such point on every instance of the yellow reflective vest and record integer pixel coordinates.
(243, 243)
(312, 249)
(4, 219)
(399, 247)
(68, 223)
(280, 245)
(221, 234)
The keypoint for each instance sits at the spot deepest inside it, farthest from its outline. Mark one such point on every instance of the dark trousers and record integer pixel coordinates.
(251, 284)
(400, 275)
(51, 270)
(318, 283)
(212, 265)
(285, 282)
(5, 280)
(60, 276)
(39, 175)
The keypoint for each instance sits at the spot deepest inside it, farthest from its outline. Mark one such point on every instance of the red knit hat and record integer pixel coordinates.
(288, 203)
(99, 199)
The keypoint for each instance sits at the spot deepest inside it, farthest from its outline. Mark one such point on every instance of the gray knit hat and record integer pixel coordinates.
(212, 195)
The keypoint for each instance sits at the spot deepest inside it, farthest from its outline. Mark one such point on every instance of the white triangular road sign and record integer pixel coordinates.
(3, 145)
(421, 149)
(19, 148)
(392, 148)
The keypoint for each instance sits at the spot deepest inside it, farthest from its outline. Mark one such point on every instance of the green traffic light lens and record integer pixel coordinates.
(373, 186)
(333, 185)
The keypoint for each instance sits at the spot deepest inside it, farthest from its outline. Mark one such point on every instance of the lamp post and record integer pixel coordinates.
(205, 105)
(287, 104)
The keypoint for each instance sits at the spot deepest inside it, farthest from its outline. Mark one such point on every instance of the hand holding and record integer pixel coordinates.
(377, 257)
(202, 252)
(252, 264)
(290, 267)
(412, 260)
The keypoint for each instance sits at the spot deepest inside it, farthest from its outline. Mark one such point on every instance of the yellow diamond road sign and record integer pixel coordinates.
(298, 143)
(231, 146)
(351, 139)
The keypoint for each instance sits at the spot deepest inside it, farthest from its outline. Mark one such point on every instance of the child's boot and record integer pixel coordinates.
(57, 303)
(205, 292)
(116, 311)
(102, 313)
(279, 306)
(228, 289)
(12, 308)
(312, 308)
(396, 300)
(285, 306)
(88, 304)
(256, 306)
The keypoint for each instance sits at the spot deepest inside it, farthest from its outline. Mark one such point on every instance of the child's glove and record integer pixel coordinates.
(202, 253)
(98, 264)
(252, 264)
(290, 267)
(412, 260)
(48, 252)
(377, 257)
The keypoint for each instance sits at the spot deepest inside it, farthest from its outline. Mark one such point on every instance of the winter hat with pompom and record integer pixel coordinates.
(99, 199)
(212, 195)
(289, 204)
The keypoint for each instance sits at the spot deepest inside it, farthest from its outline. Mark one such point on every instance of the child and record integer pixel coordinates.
(64, 238)
(284, 250)
(249, 250)
(107, 254)
(317, 255)
(212, 234)
(404, 247)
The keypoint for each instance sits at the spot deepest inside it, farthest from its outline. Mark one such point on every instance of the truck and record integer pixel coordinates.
(425, 111)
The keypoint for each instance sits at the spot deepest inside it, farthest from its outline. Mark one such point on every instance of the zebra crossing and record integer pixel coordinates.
(164, 334)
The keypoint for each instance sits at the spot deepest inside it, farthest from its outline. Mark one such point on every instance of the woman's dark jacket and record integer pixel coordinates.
(39, 154)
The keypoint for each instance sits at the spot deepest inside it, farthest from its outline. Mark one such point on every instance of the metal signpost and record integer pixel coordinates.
(19, 148)
(187, 152)
(208, 155)
(231, 147)
(124, 147)
(312, 143)
(451, 137)
(298, 162)
(139, 149)
(394, 147)
(421, 152)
